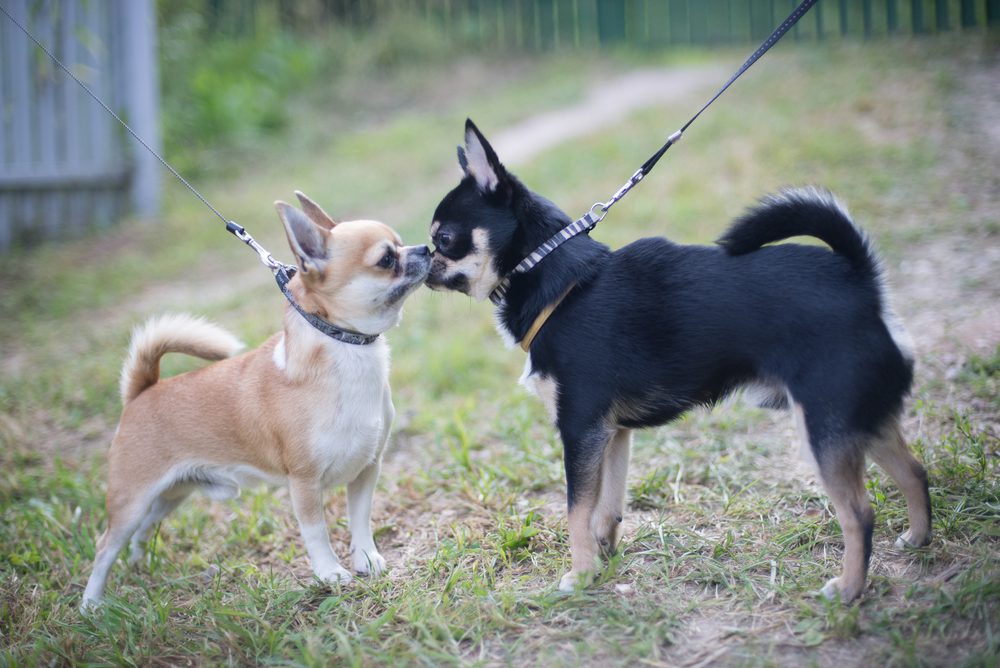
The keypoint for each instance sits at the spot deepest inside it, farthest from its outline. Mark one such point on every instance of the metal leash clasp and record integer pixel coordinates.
(595, 217)
(265, 257)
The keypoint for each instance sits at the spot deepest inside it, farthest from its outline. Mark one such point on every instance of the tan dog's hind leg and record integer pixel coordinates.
(162, 505)
(125, 514)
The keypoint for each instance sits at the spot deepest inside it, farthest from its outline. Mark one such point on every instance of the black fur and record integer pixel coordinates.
(655, 328)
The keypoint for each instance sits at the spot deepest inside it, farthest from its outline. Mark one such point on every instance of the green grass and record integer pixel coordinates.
(726, 538)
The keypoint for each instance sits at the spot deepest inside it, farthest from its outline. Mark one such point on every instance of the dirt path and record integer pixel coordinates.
(606, 103)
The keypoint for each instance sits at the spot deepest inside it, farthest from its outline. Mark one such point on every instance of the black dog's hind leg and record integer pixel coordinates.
(841, 467)
(893, 456)
(606, 521)
(583, 453)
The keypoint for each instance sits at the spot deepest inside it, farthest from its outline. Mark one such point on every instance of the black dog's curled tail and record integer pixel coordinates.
(803, 212)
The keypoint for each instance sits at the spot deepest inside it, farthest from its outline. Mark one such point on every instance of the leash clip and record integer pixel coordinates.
(593, 217)
(265, 257)
(605, 206)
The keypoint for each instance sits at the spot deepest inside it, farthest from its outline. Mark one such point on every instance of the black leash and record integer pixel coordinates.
(590, 219)
(282, 272)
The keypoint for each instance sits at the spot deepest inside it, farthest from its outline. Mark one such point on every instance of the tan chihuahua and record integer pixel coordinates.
(304, 408)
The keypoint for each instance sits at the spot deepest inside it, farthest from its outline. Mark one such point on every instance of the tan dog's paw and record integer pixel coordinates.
(368, 562)
(336, 575)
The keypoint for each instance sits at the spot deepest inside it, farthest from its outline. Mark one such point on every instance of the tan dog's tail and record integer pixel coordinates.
(178, 333)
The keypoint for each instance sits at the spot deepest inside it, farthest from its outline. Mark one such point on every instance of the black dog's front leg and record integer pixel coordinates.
(583, 453)
(606, 522)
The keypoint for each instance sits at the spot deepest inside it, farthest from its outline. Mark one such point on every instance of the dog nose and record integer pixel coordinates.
(421, 250)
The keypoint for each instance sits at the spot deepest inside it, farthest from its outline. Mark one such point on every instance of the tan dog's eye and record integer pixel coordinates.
(388, 260)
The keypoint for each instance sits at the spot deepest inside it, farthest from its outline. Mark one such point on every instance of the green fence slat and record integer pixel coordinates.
(992, 12)
(610, 21)
(968, 13)
(761, 24)
(917, 16)
(561, 24)
(941, 18)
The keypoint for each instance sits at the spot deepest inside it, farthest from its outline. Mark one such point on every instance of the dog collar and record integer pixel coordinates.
(284, 274)
(540, 319)
(585, 223)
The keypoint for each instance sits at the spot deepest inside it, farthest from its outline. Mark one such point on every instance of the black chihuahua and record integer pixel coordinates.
(635, 337)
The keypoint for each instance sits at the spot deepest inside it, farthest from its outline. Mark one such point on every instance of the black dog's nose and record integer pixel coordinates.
(421, 250)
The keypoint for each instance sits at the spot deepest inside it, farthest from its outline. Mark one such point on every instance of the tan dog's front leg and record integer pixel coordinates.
(360, 491)
(365, 555)
(307, 502)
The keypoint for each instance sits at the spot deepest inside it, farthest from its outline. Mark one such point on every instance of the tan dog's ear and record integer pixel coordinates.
(315, 211)
(306, 239)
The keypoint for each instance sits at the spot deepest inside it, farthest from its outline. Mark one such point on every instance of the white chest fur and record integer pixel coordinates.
(543, 387)
(347, 419)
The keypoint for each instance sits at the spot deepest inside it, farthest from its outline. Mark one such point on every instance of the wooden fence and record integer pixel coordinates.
(65, 164)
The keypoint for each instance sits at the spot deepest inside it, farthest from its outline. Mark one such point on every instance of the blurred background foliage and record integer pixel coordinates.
(232, 69)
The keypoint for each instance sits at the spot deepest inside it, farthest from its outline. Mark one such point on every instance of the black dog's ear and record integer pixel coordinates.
(481, 162)
(463, 162)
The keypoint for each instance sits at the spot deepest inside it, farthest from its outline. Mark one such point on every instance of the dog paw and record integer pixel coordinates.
(337, 575)
(575, 580)
(368, 562)
(906, 541)
(607, 532)
(89, 605)
(836, 590)
(135, 555)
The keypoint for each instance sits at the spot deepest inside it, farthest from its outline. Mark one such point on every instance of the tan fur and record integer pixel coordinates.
(156, 338)
(606, 521)
(302, 408)
(476, 266)
(894, 457)
(584, 550)
(844, 481)
(595, 517)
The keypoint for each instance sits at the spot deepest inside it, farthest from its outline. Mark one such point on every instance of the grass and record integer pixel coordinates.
(726, 539)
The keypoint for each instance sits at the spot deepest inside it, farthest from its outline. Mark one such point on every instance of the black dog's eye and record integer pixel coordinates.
(444, 240)
(388, 260)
